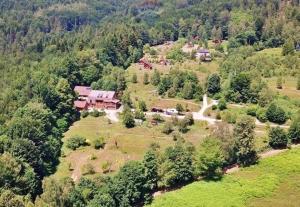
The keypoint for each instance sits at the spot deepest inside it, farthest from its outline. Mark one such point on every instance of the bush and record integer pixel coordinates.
(189, 119)
(229, 116)
(139, 115)
(222, 105)
(106, 167)
(277, 138)
(182, 126)
(179, 108)
(84, 113)
(261, 115)
(251, 111)
(276, 114)
(134, 78)
(87, 169)
(128, 119)
(99, 143)
(158, 118)
(214, 107)
(294, 131)
(76, 142)
(142, 106)
(167, 128)
(96, 113)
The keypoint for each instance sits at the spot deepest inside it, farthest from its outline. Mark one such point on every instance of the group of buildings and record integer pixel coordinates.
(95, 99)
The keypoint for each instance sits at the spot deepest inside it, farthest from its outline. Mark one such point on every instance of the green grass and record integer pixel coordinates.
(132, 143)
(253, 186)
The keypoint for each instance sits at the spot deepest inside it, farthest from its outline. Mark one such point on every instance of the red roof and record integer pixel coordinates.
(80, 104)
(83, 90)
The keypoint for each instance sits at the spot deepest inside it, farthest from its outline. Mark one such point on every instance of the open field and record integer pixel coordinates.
(255, 186)
(132, 143)
(289, 87)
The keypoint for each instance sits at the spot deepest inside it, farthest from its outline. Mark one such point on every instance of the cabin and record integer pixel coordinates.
(95, 99)
(145, 64)
(203, 54)
(103, 100)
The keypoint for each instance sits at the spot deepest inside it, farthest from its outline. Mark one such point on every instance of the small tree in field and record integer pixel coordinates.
(213, 84)
(142, 106)
(279, 82)
(179, 108)
(134, 78)
(146, 79)
(278, 138)
(298, 82)
(244, 141)
(155, 79)
(128, 119)
(288, 47)
(167, 128)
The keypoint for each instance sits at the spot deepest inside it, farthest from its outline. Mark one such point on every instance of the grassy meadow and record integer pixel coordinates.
(131, 143)
(273, 182)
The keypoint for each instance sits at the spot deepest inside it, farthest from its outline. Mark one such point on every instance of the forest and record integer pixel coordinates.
(48, 47)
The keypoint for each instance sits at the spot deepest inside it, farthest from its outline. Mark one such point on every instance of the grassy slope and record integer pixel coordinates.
(132, 143)
(262, 185)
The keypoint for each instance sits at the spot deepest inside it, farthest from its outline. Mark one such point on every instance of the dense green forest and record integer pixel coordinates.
(49, 46)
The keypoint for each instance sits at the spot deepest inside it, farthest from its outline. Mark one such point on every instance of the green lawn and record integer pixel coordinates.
(273, 182)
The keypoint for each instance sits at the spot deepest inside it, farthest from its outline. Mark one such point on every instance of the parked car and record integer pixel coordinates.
(171, 112)
(157, 110)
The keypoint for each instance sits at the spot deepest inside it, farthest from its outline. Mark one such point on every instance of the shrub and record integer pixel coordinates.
(261, 115)
(62, 124)
(87, 169)
(95, 113)
(218, 116)
(276, 114)
(76, 142)
(189, 119)
(182, 126)
(229, 116)
(128, 119)
(84, 113)
(222, 105)
(146, 79)
(106, 167)
(294, 131)
(99, 143)
(179, 108)
(251, 111)
(139, 115)
(142, 106)
(214, 107)
(134, 78)
(158, 118)
(167, 128)
(277, 138)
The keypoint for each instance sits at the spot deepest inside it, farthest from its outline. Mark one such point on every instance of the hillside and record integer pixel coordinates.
(273, 182)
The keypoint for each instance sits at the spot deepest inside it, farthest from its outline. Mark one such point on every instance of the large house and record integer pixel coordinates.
(88, 98)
